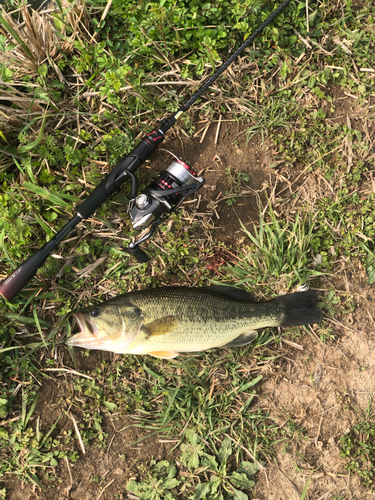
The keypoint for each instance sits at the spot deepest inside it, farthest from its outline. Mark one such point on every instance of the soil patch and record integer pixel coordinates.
(236, 171)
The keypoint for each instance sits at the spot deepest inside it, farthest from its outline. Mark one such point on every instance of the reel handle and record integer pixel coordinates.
(138, 253)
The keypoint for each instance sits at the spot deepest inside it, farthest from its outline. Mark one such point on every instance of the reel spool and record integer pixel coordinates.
(161, 198)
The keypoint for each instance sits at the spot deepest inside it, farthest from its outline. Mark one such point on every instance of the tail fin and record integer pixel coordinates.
(300, 308)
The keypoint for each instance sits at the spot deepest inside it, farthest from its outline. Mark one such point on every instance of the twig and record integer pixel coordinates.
(10, 154)
(290, 483)
(10, 420)
(217, 130)
(110, 444)
(303, 40)
(247, 451)
(73, 372)
(349, 144)
(104, 15)
(204, 133)
(308, 166)
(70, 475)
(183, 430)
(325, 495)
(90, 268)
(317, 436)
(293, 344)
(347, 487)
(78, 434)
(212, 388)
(307, 16)
(105, 487)
(338, 323)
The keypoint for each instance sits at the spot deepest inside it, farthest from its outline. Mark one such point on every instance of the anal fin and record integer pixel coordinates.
(164, 354)
(243, 339)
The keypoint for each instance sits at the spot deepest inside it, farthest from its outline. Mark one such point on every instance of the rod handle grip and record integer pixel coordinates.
(14, 283)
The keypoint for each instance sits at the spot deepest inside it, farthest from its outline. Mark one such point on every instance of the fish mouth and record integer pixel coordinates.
(87, 334)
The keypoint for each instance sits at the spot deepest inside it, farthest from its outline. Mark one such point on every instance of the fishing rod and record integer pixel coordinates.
(159, 199)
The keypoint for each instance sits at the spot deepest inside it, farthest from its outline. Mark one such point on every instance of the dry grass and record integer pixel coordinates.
(43, 38)
(22, 104)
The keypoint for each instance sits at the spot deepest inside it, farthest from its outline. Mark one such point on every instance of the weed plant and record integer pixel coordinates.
(358, 446)
(277, 250)
(197, 457)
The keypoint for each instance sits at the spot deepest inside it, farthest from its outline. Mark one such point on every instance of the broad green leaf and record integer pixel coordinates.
(248, 468)
(215, 482)
(171, 470)
(201, 490)
(171, 483)
(58, 23)
(225, 450)
(371, 274)
(192, 451)
(239, 495)
(191, 436)
(241, 480)
(210, 461)
(132, 486)
(163, 464)
(110, 406)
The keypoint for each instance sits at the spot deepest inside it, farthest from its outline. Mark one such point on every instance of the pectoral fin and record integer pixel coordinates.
(160, 326)
(164, 354)
(243, 339)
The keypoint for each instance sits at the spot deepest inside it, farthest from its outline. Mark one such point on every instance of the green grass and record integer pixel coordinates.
(277, 250)
(358, 447)
(71, 132)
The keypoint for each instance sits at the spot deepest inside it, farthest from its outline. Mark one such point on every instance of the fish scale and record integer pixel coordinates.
(166, 321)
(205, 320)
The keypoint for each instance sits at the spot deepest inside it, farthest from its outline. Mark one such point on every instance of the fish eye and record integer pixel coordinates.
(95, 312)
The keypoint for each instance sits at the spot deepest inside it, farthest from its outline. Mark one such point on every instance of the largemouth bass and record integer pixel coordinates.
(164, 322)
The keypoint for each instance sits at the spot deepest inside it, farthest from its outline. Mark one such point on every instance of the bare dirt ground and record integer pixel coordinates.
(321, 387)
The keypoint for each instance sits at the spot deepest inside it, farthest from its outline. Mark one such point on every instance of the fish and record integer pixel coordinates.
(164, 322)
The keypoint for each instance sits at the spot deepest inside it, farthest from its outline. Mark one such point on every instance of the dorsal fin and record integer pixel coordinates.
(231, 291)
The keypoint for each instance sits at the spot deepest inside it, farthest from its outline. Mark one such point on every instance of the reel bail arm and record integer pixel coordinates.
(161, 198)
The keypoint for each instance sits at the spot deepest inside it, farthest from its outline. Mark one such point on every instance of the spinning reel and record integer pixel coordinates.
(161, 198)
